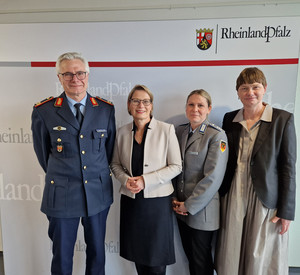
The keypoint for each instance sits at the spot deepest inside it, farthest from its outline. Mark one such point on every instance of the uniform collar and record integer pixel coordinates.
(72, 102)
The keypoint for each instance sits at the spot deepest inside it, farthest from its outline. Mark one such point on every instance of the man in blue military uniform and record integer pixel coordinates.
(73, 137)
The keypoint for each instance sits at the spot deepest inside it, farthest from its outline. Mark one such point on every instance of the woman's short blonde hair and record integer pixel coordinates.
(203, 93)
(139, 87)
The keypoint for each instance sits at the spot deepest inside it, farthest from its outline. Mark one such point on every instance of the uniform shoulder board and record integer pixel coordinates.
(104, 100)
(58, 102)
(215, 127)
(94, 102)
(38, 104)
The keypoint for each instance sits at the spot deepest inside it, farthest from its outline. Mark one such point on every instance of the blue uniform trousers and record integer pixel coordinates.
(63, 233)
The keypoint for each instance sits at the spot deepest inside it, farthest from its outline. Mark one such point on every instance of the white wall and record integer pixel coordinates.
(29, 11)
(1, 248)
(295, 227)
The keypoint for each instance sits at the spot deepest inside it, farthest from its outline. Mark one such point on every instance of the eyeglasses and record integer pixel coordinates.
(135, 101)
(69, 76)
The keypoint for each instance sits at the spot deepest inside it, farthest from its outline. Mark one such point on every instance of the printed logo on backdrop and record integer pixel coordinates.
(21, 191)
(15, 136)
(110, 246)
(109, 91)
(204, 38)
(266, 32)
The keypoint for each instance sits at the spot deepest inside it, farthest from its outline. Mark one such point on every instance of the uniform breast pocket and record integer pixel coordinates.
(61, 144)
(99, 138)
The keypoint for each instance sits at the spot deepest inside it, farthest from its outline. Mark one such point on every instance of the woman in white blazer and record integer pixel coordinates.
(146, 158)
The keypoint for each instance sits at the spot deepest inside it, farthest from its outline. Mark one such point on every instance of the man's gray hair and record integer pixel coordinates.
(71, 56)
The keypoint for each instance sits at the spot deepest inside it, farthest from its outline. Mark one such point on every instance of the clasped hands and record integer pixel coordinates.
(179, 207)
(135, 184)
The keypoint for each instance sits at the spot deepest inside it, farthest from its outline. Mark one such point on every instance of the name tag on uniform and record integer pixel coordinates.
(192, 153)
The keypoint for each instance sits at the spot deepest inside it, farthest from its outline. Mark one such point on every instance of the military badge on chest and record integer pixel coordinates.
(59, 148)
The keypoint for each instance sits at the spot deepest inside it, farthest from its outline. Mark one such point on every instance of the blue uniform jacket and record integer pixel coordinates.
(76, 160)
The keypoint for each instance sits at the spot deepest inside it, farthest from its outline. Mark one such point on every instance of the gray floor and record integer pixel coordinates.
(293, 270)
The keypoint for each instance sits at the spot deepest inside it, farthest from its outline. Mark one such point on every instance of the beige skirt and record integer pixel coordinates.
(249, 243)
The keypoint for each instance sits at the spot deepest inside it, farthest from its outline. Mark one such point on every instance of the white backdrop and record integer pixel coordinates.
(24, 227)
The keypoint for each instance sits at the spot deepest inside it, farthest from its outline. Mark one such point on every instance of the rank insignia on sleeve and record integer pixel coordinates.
(58, 102)
(43, 101)
(94, 102)
(104, 100)
(222, 146)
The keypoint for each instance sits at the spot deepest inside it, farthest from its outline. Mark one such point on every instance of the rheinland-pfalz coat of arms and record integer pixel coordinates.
(204, 38)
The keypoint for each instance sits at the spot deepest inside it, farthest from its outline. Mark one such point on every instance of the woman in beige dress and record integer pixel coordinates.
(258, 190)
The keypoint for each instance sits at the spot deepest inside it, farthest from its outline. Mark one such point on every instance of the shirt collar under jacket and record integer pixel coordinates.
(266, 115)
(72, 102)
(191, 130)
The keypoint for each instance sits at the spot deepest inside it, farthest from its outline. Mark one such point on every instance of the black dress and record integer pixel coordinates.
(146, 224)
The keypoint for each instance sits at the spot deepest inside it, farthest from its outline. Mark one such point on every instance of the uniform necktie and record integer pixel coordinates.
(190, 134)
(79, 115)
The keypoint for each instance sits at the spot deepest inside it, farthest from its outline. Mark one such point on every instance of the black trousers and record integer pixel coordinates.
(150, 270)
(197, 247)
